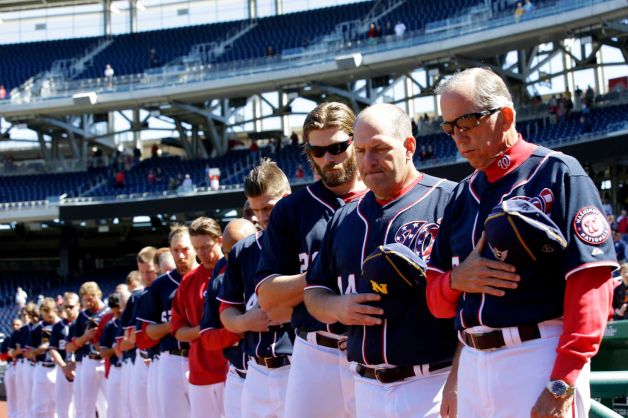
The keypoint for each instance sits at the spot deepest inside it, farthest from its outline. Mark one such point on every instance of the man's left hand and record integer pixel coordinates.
(547, 406)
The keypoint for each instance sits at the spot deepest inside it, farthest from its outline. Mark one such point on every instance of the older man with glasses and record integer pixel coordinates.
(528, 331)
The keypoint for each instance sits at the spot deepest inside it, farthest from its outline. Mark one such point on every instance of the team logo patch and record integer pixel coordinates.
(500, 255)
(591, 226)
(543, 202)
(504, 162)
(419, 236)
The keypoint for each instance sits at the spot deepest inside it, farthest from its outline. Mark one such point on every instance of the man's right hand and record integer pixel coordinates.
(481, 275)
(351, 309)
(90, 333)
(255, 320)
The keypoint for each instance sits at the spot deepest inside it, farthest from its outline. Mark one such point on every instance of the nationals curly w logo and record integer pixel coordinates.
(419, 236)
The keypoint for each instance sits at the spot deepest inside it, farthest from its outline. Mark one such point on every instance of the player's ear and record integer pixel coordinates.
(410, 145)
(507, 115)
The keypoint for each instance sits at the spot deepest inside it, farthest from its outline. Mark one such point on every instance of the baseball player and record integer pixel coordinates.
(134, 367)
(267, 338)
(90, 376)
(212, 334)
(44, 377)
(25, 368)
(291, 241)
(403, 357)
(126, 344)
(528, 331)
(64, 371)
(154, 314)
(207, 366)
(10, 376)
(108, 350)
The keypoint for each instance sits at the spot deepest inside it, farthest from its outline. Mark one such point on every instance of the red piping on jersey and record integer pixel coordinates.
(353, 195)
(401, 192)
(514, 156)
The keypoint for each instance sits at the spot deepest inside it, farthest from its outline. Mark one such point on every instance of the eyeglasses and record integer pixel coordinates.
(334, 149)
(466, 122)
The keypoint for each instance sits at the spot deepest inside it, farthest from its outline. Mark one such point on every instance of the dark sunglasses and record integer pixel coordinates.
(334, 149)
(466, 122)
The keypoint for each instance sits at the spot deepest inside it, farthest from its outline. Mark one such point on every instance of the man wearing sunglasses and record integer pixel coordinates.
(65, 367)
(400, 360)
(293, 238)
(528, 332)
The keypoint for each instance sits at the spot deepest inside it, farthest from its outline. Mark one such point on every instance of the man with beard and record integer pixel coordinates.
(292, 240)
(154, 313)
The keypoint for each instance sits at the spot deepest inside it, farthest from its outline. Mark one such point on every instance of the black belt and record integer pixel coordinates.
(116, 364)
(32, 363)
(396, 374)
(48, 364)
(183, 352)
(273, 362)
(94, 356)
(495, 339)
(144, 355)
(325, 341)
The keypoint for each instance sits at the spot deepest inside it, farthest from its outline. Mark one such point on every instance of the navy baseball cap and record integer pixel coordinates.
(518, 232)
(394, 272)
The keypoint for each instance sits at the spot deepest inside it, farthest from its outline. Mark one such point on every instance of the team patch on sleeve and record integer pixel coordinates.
(591, 226)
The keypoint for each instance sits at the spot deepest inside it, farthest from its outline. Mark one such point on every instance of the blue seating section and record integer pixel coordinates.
(40, 187)
(19, 62)
(130, 53)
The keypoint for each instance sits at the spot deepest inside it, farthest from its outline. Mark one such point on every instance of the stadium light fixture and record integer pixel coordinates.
(349, 62)
(85, 99)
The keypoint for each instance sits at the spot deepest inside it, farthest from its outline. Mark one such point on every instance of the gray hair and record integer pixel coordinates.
(400, 122)
(490, 91)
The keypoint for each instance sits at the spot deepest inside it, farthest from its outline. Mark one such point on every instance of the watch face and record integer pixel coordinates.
(558, 388)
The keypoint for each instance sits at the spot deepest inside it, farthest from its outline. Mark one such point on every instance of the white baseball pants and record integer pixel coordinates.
(43, 392)
(10, 384)
(138, 394)
(173, 386)
(93, 391)
(326, 372)
(63, 396)
(206, 401)
(264, 391)
(233, 394)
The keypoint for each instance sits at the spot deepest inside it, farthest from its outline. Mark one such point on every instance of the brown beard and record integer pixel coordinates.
(348, 171)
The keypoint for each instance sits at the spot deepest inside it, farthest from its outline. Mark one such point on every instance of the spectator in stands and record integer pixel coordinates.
(415, 128)
(187, 186)
(172, 184)
(622, 222)
(270, 52)
(150, 178)
(120, 179)
(3, 92)
(528, 7)
(155, 151)
(109, 75)
(519, 11)
(154, 58)
(372, 33)
(589, 96)
(578, 99)
(388, 29)
(254, 148)
(299, 174)
(423, 153)
(137, 155)
(606, 205)
(20, 298)
(400, 29)
(620, 295)
(294, 138)
(159, 175)
(430, 151)
(620, 247)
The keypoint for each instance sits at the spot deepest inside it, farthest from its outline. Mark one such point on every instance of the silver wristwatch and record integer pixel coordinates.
(560, 389)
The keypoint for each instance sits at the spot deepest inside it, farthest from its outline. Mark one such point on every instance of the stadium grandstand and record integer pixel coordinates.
(119, 118)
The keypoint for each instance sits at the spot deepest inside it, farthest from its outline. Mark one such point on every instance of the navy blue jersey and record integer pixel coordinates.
(128, 321)
(59, 337)
(238, 289)
(211, 316)
(23, 337)
(69, 338)
(88, 320)
(108, 339)
(156, 307)
(4, 346)
(414, 337)
(40, 334)
(554, 183)
(11, 342)
(292, 240)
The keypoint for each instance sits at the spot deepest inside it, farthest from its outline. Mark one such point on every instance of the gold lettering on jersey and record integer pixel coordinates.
(379, 288)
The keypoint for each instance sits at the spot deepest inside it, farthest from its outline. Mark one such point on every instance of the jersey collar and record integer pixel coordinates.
(353, 195)
(509, 160)
(401, 192)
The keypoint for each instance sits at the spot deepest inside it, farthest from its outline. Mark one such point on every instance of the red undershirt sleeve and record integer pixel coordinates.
(218, 339)
(143, 341)
(441, 298)
(587, 299)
